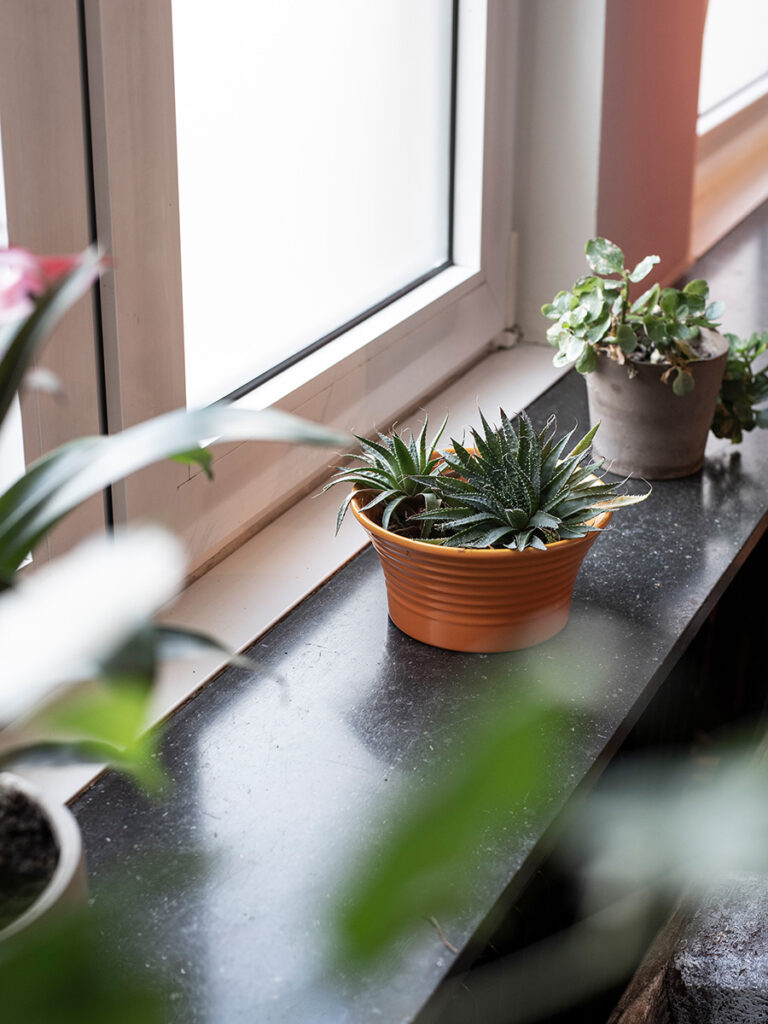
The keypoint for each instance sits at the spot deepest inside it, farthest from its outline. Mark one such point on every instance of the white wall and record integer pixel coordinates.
(558, 148)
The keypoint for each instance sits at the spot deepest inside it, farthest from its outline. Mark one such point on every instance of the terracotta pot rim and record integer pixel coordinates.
(601, 521)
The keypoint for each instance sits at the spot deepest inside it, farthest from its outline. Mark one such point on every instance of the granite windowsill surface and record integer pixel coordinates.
(277, 782)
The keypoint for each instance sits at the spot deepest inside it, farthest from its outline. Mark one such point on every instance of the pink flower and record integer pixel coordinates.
(24, 276)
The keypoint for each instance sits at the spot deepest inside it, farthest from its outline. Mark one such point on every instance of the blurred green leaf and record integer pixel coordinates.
(61, 480)
(655, 329)
(743, 390)
(427, 864)
(66, 973)
(113, 714)
(575, 348)
(668, 300)
(626, 338)
(196, 457)
(697, 287)
(600, 328)
(587, 361)
(604, 257)
(648, 299)
(683, 383)
(643, 268)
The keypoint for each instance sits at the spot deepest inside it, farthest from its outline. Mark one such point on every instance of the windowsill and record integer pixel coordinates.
(278, 786)
(731, 176)
(253, 588)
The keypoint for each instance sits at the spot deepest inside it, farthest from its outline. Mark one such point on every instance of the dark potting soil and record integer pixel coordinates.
(28, 854)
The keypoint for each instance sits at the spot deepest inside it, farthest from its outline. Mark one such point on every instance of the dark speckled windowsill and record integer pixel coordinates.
(276, 784)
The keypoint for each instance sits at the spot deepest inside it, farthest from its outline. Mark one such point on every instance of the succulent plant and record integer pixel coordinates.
(399, 474)
(662, 325)
(518, 489)
(743, 389)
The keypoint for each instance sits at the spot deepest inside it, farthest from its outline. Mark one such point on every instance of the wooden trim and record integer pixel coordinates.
(46, 176)
(130, 68)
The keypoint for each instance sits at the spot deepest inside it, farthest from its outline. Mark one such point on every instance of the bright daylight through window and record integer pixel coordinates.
(310, 199)
(734, 65)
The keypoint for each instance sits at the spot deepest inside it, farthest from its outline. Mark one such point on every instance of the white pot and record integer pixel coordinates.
(67, 888)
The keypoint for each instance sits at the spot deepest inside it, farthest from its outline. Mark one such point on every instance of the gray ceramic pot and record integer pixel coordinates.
(646, 430)
(67, 888)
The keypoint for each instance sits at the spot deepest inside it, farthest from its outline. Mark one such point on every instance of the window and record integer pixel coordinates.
(734, 63)
(314, 151)
(146, 209)
(731, 176)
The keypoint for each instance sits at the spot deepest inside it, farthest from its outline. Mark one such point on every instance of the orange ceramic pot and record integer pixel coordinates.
(477, 599)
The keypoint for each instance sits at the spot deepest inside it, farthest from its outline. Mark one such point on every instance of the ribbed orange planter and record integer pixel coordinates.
(477, 599)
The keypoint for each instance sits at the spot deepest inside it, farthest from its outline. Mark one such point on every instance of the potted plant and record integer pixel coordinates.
(653, 365)
(481, 545)
(83, 691)
(41, 856)
(744, 390)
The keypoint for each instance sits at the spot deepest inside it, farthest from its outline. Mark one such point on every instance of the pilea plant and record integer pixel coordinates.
(597, 317)
(743, 390)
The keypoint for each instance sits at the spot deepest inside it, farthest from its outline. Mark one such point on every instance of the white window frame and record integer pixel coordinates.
(366, 378)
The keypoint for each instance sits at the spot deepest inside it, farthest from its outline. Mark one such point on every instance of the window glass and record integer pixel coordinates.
(314, 162)
(735, 55)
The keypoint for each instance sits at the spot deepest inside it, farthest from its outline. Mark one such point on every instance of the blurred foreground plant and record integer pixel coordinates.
(655, 830)
(95, 608)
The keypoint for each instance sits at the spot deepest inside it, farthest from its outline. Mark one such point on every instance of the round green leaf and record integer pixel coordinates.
(604, 257)
(715, 310)
(600, 327)
(587, 361)
(574, 348)
(697, 287)
(555, 333)
(670, 297)
(683, 383)
(588, 283)
(626, 338)
(655, 328)
(593, 303)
